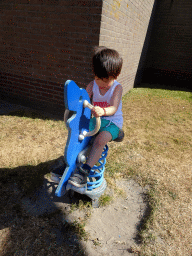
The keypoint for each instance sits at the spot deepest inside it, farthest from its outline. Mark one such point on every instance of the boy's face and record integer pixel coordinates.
(104, 83)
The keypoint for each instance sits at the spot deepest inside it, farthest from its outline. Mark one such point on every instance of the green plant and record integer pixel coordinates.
(105, 200)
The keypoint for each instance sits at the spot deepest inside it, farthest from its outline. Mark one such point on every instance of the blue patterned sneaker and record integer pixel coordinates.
(79, 178)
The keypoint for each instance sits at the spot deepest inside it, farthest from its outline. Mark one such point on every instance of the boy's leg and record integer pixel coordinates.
(99, 143)
(79, 179)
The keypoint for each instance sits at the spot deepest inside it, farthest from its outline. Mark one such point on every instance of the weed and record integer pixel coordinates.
(96, 242)
(172, 195)
(73, 207)
(82, 205)
(79, 229)
(105, 200)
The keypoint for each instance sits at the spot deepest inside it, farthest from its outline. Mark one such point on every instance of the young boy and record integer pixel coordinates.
(106, 94)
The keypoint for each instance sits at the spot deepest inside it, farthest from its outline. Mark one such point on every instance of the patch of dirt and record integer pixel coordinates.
(111, 229)
(114, 227)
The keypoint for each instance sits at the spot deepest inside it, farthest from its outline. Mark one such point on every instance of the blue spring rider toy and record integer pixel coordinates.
(79, 143)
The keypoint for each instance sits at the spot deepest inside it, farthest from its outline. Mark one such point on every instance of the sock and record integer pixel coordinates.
(86, 167)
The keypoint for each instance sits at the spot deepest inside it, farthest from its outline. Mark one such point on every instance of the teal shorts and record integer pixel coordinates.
(105, 126)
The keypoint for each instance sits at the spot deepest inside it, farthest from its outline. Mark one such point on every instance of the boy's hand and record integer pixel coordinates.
(98, 111)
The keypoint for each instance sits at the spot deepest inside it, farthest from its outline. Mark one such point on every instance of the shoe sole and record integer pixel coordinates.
(76, 184)
(55, 178)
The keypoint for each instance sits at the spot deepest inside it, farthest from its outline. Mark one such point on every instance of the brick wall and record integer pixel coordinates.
(124, 25)
(169, 54)
(45, 43)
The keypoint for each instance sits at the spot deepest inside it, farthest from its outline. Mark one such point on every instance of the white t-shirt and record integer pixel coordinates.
(103, 101)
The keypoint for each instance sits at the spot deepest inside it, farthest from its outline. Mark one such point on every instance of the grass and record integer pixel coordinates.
(85, 206)
(104, 200)
(156, 152)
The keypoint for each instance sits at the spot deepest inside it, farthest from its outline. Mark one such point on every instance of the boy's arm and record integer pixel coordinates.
(89, 89)
(114, 104)
(115, 101)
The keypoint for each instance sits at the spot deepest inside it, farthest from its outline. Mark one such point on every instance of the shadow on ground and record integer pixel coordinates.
(11, 109)
(170, 86)
(31, 219)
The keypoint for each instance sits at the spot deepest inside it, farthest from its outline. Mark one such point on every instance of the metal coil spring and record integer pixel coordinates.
(97, 172)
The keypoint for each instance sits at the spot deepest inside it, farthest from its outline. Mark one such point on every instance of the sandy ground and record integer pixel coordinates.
(111, 229)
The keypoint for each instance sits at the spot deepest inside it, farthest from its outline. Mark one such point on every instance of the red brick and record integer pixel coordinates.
(66, 31)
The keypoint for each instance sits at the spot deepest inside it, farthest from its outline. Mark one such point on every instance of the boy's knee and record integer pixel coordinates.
(103, 138)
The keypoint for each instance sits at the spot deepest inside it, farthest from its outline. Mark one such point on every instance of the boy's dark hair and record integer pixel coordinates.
(106, 62)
